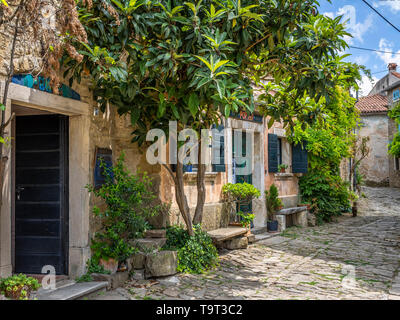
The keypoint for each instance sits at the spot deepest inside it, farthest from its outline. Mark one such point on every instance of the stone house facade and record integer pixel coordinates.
(46, 215)
(374, 124)
(381, 129)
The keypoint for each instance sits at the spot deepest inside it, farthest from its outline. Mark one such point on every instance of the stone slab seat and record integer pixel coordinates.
(299, 217)
(223, 234)
(288, 211)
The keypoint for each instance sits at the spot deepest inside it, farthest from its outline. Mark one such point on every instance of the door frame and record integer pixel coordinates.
(80, 151)
(64, 176)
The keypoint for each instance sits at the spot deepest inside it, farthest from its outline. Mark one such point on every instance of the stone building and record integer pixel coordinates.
(374, 124)
(381, 168)
(54, 143)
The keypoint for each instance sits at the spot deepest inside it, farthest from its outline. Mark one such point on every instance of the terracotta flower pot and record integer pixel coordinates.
(283, 170)
(110, 265)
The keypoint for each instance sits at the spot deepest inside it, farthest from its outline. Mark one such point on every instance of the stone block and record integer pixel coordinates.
(300, 219)
(115, 280)
(162, 263)
(281, 222)
(251, 238)
(156, 233)
(138, 275)
(149, 244)
(137, 261)
(237, 243)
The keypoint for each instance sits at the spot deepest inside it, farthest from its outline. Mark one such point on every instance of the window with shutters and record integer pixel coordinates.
(216, 153)
(397, 164)
(299, 158)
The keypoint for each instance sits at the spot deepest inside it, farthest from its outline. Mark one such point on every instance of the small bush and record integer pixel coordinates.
(196, 254)
(94, 267)
(129, 202)
(328, 195)
(84, 278)
(18, 286)
(273, 203)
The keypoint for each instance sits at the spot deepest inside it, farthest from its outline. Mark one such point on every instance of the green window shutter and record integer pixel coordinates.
(218, 149)
(299, 158)
(272, 152)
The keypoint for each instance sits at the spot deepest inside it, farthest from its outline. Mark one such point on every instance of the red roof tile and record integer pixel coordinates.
(372, 104)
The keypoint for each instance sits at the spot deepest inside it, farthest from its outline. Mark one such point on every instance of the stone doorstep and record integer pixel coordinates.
(264, 236)
(72, 292)
(259, 230)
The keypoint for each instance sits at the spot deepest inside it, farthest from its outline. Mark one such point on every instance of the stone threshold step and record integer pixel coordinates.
(72, 291)
(266, 235)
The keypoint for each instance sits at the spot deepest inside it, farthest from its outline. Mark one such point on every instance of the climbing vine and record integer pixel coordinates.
(394, 146)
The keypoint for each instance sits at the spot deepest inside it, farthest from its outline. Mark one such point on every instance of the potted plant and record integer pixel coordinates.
(282, 168)
(18, 286)
(273, 204)
(237, 195)
(246, 220)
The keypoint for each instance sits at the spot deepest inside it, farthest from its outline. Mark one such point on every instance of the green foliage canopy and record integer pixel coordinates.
(192, 61)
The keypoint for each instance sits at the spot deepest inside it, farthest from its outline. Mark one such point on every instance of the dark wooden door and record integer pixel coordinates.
(41, 193)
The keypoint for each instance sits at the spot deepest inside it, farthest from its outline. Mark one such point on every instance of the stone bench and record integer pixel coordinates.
(296, 216)
(230, 238)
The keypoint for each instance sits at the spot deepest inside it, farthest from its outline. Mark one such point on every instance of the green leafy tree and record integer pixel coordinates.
(394, 146)
(195, 61)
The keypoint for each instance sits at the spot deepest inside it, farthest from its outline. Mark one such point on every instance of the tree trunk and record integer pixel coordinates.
(181, 198)
(201, 190)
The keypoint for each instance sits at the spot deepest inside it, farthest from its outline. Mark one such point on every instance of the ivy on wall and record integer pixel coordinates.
(394, 146)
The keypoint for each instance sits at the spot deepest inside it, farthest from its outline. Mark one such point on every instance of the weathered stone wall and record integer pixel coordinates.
(287, 183)
(375, 167)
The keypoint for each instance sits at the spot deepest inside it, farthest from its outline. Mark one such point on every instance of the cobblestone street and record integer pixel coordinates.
(352, 258)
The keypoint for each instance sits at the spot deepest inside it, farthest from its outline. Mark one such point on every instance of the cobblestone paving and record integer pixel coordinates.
(352, 258)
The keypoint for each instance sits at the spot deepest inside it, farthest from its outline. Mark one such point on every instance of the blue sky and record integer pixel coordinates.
(369, 30)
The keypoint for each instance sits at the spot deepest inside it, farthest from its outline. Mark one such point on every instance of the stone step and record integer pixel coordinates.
(72, 291)
(266, 235)
(259, 230)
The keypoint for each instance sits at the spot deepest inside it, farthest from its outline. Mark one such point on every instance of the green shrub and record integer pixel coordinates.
(94, 267)
(241, 192)
(246, 218)
(177, 236)
(18, 286)
(196, 254)
(84, 278)
(129, 202)
(273, 203)
(328, 195)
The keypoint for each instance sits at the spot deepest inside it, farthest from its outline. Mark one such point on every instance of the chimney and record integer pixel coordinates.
(392, 66)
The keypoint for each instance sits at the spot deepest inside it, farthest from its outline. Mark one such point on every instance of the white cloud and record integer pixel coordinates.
(365, 85)
(388, 57)
(361, 59)
(357, 29)
(392, 4)
(329, 14)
